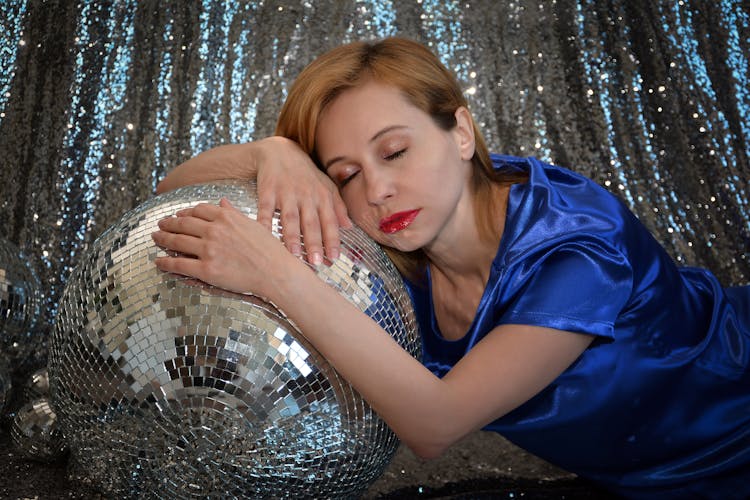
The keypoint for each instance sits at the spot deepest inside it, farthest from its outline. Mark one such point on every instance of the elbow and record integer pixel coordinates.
(428, 448)
(166, 184)
(430, 437)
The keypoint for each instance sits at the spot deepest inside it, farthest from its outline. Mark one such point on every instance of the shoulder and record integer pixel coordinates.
(551, 186)
(558, 206)
(546, 174)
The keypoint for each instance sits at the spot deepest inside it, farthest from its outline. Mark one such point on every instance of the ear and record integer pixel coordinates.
(464, 133)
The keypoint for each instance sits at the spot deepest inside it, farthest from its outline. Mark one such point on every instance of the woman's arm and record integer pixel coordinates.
(308, 201)
(231, 161)
(505, 369)
(508, 367)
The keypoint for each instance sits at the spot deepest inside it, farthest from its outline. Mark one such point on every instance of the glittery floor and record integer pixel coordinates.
(483, 466)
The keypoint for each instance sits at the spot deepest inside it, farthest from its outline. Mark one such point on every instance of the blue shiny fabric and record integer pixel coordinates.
(659, 405)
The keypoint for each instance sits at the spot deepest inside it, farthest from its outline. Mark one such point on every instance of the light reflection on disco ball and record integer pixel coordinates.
(37, 386)
(20, 304)
(167, 387)
(35, 432)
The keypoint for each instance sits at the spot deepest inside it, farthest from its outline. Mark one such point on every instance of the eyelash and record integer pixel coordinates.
(344, 182)
(393, 156)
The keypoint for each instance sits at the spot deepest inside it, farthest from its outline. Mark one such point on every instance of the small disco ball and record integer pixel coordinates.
(166, 386)
(37, 386)
(20, 304)
(35, 432)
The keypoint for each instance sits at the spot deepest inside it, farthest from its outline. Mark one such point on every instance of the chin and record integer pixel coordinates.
(399, 244)
(401, 240)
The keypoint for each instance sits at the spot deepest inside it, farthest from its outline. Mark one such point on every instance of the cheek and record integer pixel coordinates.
(354, 205)
(360, 215)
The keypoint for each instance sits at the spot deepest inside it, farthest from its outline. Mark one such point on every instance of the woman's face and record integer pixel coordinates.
(404, 180)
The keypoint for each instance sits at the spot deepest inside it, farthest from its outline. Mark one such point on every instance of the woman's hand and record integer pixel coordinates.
(308, 201)
(223, 247)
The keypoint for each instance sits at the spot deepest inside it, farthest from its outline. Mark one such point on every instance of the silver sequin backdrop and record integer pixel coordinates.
(98, 99)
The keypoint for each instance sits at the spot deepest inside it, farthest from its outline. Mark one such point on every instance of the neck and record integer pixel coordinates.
(460, 254)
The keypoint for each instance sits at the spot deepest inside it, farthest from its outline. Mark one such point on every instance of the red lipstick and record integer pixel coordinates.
(398, 221)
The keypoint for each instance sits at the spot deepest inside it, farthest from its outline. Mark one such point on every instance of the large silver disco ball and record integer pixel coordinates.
(164, 386)
(20, 304)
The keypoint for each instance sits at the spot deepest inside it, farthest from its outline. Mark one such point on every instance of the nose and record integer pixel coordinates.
(379, 185)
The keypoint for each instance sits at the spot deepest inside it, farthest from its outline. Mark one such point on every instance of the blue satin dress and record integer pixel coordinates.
(659, 405)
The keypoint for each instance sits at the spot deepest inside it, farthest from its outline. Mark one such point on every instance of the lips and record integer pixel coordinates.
(398, 221)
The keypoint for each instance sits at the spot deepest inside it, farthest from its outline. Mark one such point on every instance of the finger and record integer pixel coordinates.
(205, 211)
(182, 243)
(342, 214)
(290, 227)
(266, 208)
(312, 236)
(330, 231)
(184, 225)
(200, 208)
(227, 205)
(184, 266)
(185, 212)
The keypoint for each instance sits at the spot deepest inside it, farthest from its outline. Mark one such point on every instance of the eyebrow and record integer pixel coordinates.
(375, 137)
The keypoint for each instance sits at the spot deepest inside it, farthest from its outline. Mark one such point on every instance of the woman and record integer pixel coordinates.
(548, 313)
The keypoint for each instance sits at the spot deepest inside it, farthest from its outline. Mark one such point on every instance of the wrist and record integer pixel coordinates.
(292, 277)
(244, 160)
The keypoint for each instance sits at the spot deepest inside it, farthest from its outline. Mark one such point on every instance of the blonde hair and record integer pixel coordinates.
(426, 83)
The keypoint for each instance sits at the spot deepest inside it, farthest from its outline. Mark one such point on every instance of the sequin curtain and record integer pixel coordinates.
(649, 97)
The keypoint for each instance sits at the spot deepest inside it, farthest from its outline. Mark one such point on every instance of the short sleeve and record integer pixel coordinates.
(579, 287)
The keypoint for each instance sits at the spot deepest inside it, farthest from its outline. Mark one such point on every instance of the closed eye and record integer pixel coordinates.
(394, 156)
(343, 181)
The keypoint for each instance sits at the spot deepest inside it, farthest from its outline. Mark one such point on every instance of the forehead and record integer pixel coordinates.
(364, 110)
(369, 95)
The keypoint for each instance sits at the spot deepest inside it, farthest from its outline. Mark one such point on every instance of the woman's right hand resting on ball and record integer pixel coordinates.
(288, 181)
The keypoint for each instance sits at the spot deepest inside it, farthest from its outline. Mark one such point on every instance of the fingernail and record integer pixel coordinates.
(296, 250)
(333, 253)
(316, 258)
